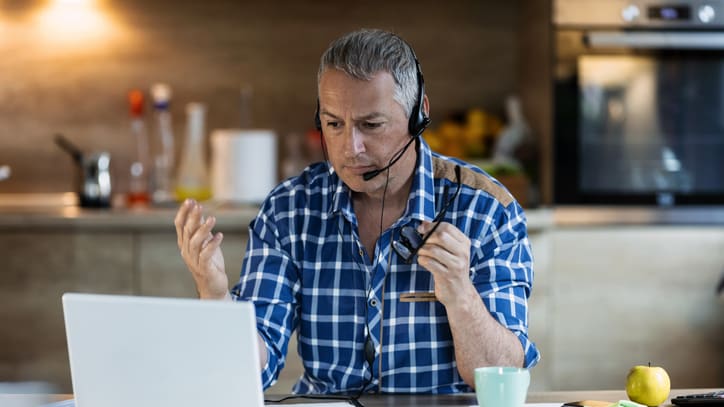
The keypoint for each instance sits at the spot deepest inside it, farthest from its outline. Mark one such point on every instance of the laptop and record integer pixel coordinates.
(149, 352)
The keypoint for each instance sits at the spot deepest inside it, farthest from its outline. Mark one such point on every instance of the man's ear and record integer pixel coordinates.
(426, 105)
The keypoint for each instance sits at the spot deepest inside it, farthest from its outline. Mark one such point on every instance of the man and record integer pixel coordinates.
(320, 259)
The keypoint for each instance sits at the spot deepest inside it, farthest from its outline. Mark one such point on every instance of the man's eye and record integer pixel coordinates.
(333, 125)
(372, 125)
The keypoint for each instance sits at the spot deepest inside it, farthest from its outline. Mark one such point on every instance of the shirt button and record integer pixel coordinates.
(373, 302)
(361, 253)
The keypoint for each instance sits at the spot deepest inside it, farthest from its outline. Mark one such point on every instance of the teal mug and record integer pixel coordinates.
(501, 386)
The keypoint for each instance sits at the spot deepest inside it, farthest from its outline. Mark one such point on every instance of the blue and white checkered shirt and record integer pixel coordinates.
(306, 270)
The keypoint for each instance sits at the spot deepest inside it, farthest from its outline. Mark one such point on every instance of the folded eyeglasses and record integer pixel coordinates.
(411, 240)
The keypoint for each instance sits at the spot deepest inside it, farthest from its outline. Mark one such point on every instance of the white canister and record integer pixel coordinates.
(243, 165)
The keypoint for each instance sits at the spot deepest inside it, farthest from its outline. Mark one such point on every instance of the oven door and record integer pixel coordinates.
(639, 117)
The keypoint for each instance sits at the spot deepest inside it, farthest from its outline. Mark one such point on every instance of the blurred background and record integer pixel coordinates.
(625, 210)
(253, 64)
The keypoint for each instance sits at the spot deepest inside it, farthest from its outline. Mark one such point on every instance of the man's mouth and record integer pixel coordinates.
(360, 169)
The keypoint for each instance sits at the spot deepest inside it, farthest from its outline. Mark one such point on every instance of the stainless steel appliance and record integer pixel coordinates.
(93, 179)
(639, 102)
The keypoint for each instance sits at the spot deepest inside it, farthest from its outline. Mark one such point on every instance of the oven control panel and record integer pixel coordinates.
(701, 14)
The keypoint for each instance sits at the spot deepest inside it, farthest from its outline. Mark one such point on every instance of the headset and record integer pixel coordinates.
(418, 119)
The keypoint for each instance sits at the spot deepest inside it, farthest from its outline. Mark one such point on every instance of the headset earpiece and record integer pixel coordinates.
(418, 119)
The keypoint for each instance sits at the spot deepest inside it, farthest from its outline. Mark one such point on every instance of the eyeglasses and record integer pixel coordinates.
(411, 240)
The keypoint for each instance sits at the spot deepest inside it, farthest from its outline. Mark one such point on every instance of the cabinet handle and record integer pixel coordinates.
(655, 40)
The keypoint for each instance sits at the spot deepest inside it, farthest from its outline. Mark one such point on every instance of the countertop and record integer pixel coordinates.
(61, 211)
(463, 399)
(52, 211)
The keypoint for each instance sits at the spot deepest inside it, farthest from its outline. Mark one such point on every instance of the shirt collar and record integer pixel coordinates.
(341, 198)
(421, 202)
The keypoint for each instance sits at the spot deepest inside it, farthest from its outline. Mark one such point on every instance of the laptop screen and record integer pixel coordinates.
(146, 351)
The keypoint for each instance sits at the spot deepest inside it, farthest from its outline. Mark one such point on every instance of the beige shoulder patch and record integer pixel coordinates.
(446, 169)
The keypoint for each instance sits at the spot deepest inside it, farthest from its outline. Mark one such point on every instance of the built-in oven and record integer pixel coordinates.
(639, 102)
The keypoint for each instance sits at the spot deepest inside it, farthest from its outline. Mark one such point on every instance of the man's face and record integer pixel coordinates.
(363, 128)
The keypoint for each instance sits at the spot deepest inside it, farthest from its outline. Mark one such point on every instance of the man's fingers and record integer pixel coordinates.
(430, 264)
(436, 255)
(193, 221)
(446, 249)
(201, 249)
(204, 231)
(180, 220)
(448, 237)
(204, 242)
(200, 235)
(425, 227)
(207, 252)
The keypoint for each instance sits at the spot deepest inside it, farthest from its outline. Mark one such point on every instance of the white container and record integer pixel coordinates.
(243, 165)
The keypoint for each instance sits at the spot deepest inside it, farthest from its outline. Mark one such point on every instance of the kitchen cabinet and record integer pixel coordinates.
(46, 254)
(628, 295)
(604, 297)
(37, 268)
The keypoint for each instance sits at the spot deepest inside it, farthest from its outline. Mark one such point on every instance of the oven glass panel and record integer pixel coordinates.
(651, 123)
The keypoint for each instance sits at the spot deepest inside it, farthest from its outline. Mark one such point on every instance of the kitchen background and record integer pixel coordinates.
(70, 65)
(614, 287)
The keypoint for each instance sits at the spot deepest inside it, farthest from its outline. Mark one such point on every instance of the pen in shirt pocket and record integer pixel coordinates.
(418, 297)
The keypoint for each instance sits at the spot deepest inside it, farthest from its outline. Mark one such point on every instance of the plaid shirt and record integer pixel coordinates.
(306, 270)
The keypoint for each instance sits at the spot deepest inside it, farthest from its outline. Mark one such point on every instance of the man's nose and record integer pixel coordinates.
(353, 142)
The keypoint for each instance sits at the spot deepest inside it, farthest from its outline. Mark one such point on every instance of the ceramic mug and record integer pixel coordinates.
(499, 386)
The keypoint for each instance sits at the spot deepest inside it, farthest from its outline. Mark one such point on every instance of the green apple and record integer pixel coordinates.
(648, 385)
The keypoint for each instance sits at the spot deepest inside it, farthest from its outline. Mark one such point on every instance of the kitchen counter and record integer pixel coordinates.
(61, 211)
(52, 211)
(637, 215)
(236, 218)
(231, 218)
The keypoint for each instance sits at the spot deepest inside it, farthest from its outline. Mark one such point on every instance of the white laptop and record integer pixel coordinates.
(150, 352)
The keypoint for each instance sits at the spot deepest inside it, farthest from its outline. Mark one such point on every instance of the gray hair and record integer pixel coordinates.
(361, 54)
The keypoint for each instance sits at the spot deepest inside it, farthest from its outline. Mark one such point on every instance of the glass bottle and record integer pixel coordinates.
(164, 158)
(192, 180)
(138, 188)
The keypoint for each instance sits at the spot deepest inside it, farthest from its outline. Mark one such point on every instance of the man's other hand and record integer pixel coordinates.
(201, 250)
(446, 254)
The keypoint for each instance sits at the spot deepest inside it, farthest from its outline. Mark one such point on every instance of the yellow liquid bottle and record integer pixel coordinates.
(193, 180)
(199, 194)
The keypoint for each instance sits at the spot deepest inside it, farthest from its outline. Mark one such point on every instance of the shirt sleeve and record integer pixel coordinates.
(270, 279)
(502, 272)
